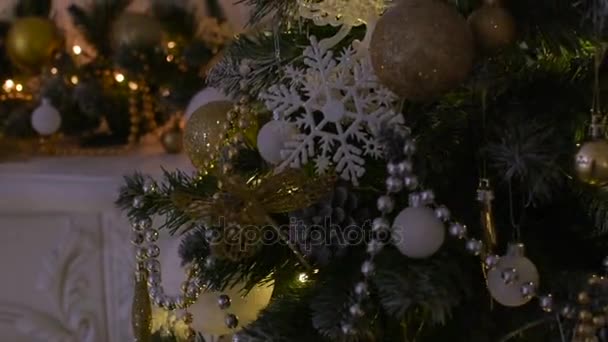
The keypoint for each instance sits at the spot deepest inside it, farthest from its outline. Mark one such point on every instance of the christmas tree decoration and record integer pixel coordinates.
(343, 13)
(493, 26)
(204, 133)
(340, 12)
(512, 274)
(591, 163)
(46, 120)
(272, 138)
(353, 106)
(417, 232)
(421, 49)
(209, 317)
(136, 31)
(321, 231)
(173, 139)
(203, 97)
(485, 196)
(142, 309)
(32, 42)
(209, 310)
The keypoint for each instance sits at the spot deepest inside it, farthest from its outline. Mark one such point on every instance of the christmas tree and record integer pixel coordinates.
(130, 74)
(407, 170)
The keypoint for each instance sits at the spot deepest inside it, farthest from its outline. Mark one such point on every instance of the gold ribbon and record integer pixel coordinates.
(253, 201)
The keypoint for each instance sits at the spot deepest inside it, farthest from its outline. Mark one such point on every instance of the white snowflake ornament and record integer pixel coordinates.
(338, 106)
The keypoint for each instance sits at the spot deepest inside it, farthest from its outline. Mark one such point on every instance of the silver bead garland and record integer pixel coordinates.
(457, 230)
(147, 252)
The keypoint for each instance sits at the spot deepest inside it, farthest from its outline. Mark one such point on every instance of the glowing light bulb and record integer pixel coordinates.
(54, 71)
(19, 87)
(8, 85)
(133, 85)
(171, 44)
(119, 77)
(303, 277)
(77, 49)
(74, 79)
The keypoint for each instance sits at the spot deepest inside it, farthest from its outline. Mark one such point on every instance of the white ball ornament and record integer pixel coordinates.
(272, 138)
(511, 272)
(208, 317)
(46, 119)
(417, 232)
(203, 97)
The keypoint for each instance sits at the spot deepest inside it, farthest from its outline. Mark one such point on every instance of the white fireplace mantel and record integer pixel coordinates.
(65, 256)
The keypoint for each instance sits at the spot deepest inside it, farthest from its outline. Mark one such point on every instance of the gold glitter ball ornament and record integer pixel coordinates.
(136, 30)
(205, 132)
(421, 49)
(32, 41)
(493, 27)
(591, 163)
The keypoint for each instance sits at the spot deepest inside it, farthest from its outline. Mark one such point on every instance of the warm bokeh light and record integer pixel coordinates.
(133, 85)
(19, 87)
(170, 58)
(171, 45)
(8, 85)
(119, 77)
(54, 71)
(74, 79)
(77, 49)
(303, 277)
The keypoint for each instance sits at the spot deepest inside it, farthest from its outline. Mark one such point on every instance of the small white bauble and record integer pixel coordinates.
(207, 316)
(272, 138)
(417, 232)
(519, 269)
(46, 119)
(203, 97)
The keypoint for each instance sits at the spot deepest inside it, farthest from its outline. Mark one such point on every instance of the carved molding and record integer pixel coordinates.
(119, 262)
(65, 280)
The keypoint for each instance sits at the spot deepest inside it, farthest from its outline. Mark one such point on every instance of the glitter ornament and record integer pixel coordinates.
(46, 120)
(493, 26)
(591, 163)
(417, 232)
(31, 42)
(520, 271)
(421, 49)
(272, 138)
(204, 133)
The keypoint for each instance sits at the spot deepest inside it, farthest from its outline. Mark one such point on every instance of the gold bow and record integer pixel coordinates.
(251, 202)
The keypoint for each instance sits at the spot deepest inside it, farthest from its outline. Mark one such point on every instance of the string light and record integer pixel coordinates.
(77, 50)
(171, 44)
(119, 77)
(133, 85)
(74, 79)
(19, 87)
(303, 277)
(54, 71)
(8, 85)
